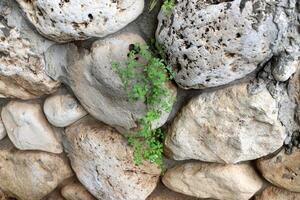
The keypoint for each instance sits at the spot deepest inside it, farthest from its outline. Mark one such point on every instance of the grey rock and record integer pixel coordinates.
(22, 64)
(213, 43)
(64, 21)
(103, 162)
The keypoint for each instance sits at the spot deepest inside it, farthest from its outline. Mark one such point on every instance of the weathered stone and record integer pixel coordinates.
(103, 162)
(274, 193)
(98, 86)
(62, 109)
(284, 68)
(22, 64)
(217, 181)
(163, 193)
(55, 195)
(63, 21)
(2, 130)
(213, 43)
(75, 191)
(28, 128)
(28, 174)
(282, 169)
(230, 120)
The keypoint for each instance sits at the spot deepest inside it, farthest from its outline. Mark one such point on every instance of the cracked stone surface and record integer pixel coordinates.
(22, 64)
(63, 21)
(212, 43)
(103, 162)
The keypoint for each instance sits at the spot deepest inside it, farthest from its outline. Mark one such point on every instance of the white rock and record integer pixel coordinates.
(28, 128)
(62, 109)
(103, 162)
(63, 21)
(217, 181)
(22, 63)
(284, 69)
(30, 174)
(213, 43)
(98, 86)
(230, 120)
(75, 191)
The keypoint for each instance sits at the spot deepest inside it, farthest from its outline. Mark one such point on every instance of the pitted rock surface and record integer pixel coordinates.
(64, 21)
(212, 43)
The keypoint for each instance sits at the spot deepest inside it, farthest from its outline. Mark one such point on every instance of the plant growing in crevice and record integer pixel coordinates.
(167, 6)
(144, 77)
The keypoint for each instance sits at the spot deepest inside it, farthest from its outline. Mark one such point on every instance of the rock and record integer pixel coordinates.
(55, 195)
(75, 191)
(230, 120)
(57, 20)
(22, 64)
(103, 162)
(217, 181)
(283, 68)
(98, 86)
(282, 170)
(163, 193)
(28, 128)
(2, 130)
(30, 174)
(274, 193)
(62, 109)
(213, 43)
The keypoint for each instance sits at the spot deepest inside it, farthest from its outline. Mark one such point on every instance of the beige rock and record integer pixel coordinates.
(55, 195)
(282, 170)
(2, 130)
(62, 109)
(30, 174)
(103, 162)
(28, 128)
(163, 193)
(230, 120)
(274, 193)
(75, 191)
(217, 181)
(58, 20)
(22, 63)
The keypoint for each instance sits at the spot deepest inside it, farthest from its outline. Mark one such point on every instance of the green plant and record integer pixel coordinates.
(144, 77)
(167, 6)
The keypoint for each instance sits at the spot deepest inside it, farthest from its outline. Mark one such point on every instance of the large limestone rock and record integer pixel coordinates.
(282, 170)
(28, 128)
(274, 193)
(213, 43)
(63, 21)
(28, 174)
(22, 64)
(231, 120)
(75, 191)
(103, 162)
(97, 85)
(62, 109)
(217, 181)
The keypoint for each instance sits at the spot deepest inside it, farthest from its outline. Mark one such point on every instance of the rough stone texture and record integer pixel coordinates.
(28, 174)
(212, 43)
(282, 170)
(230, 120)
(28, 128)
(97, 86)
(75, 191)
(63, 21)
(283, 69)
(163, 193)
(21, 63)
(103, 162)
(217, 181)
(62, 109)
(2, 130)
(274, 193)
(55, 195)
